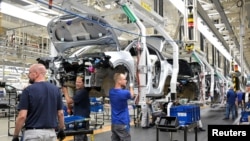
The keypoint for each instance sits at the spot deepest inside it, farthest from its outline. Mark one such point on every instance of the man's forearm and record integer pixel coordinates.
(69, 100)
(19, 126)
(61, 120)
(131, 89)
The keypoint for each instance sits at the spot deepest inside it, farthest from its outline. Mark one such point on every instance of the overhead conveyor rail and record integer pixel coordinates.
(211, 72)
(202, 78)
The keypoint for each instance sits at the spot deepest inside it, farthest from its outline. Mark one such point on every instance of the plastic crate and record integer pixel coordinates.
(198, 113)
(186, 114)
(93, 99)
(244, 116)
(75, 123)
(96, 108)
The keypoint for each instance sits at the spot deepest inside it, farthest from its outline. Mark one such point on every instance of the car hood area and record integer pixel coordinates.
(69, 31)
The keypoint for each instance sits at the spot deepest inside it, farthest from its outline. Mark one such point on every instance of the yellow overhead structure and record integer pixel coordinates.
(235, 76)
(190, 26)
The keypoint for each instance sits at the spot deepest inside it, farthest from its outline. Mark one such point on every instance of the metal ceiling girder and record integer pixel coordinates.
(203, 15)
(229, 28)
(72, 5)
(211, 26)
(225, 21)
(37, 8)
(207, 20)
(157, 18)
(19, 12)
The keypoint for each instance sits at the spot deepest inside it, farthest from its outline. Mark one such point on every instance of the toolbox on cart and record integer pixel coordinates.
(76, 122)
(186, 114)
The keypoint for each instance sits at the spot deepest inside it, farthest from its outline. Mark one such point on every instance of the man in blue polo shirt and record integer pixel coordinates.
(240, 99)
(230, 105)
(120, 120)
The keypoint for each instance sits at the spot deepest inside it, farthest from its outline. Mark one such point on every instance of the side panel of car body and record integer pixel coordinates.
(158, 69)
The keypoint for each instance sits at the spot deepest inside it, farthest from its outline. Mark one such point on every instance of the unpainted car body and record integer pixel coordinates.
(88, 45)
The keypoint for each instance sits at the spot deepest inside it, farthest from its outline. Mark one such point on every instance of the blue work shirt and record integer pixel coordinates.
(119, 106)
(231, 97)
(239, 96)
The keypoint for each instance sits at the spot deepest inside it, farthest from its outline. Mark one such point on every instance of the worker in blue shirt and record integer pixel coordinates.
(240, 102)
(120, 119)
(230, 105)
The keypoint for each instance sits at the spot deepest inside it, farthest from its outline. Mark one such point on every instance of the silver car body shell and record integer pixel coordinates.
(70, 31)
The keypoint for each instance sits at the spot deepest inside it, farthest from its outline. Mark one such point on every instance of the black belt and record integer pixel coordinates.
(37, 128)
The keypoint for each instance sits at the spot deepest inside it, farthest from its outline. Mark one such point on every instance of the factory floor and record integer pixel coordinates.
(102, 132)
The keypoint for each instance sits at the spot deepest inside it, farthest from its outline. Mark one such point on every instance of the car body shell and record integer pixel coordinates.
(89, 45)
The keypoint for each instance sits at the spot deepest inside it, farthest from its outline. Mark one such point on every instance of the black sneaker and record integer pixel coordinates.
(225, 118)
(151, 124)
(146, 127)
(201, 129)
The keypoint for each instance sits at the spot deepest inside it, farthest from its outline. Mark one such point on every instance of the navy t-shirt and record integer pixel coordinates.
(42, 100)
(81, 103)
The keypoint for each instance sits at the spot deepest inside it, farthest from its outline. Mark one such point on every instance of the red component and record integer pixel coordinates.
(50, 4)
(190, 25)
(236, 68)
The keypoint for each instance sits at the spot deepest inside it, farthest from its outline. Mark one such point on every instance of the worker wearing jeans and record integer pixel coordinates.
(230, 105)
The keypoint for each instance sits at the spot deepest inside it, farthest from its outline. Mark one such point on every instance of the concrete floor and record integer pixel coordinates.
(208, 116)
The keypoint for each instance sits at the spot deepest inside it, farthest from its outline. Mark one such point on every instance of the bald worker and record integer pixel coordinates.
(40, 109)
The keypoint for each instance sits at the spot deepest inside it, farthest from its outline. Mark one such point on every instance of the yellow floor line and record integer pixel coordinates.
(96, 131)
(102, 130)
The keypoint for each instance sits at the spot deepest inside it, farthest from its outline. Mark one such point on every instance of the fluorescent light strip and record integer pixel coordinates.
(17, 12)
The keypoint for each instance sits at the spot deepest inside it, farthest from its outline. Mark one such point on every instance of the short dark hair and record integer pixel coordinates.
(80, 76)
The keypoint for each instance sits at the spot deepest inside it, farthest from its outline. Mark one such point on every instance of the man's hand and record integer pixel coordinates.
(64, 89)
(61, 135)
(15, 139)
(131, 85)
